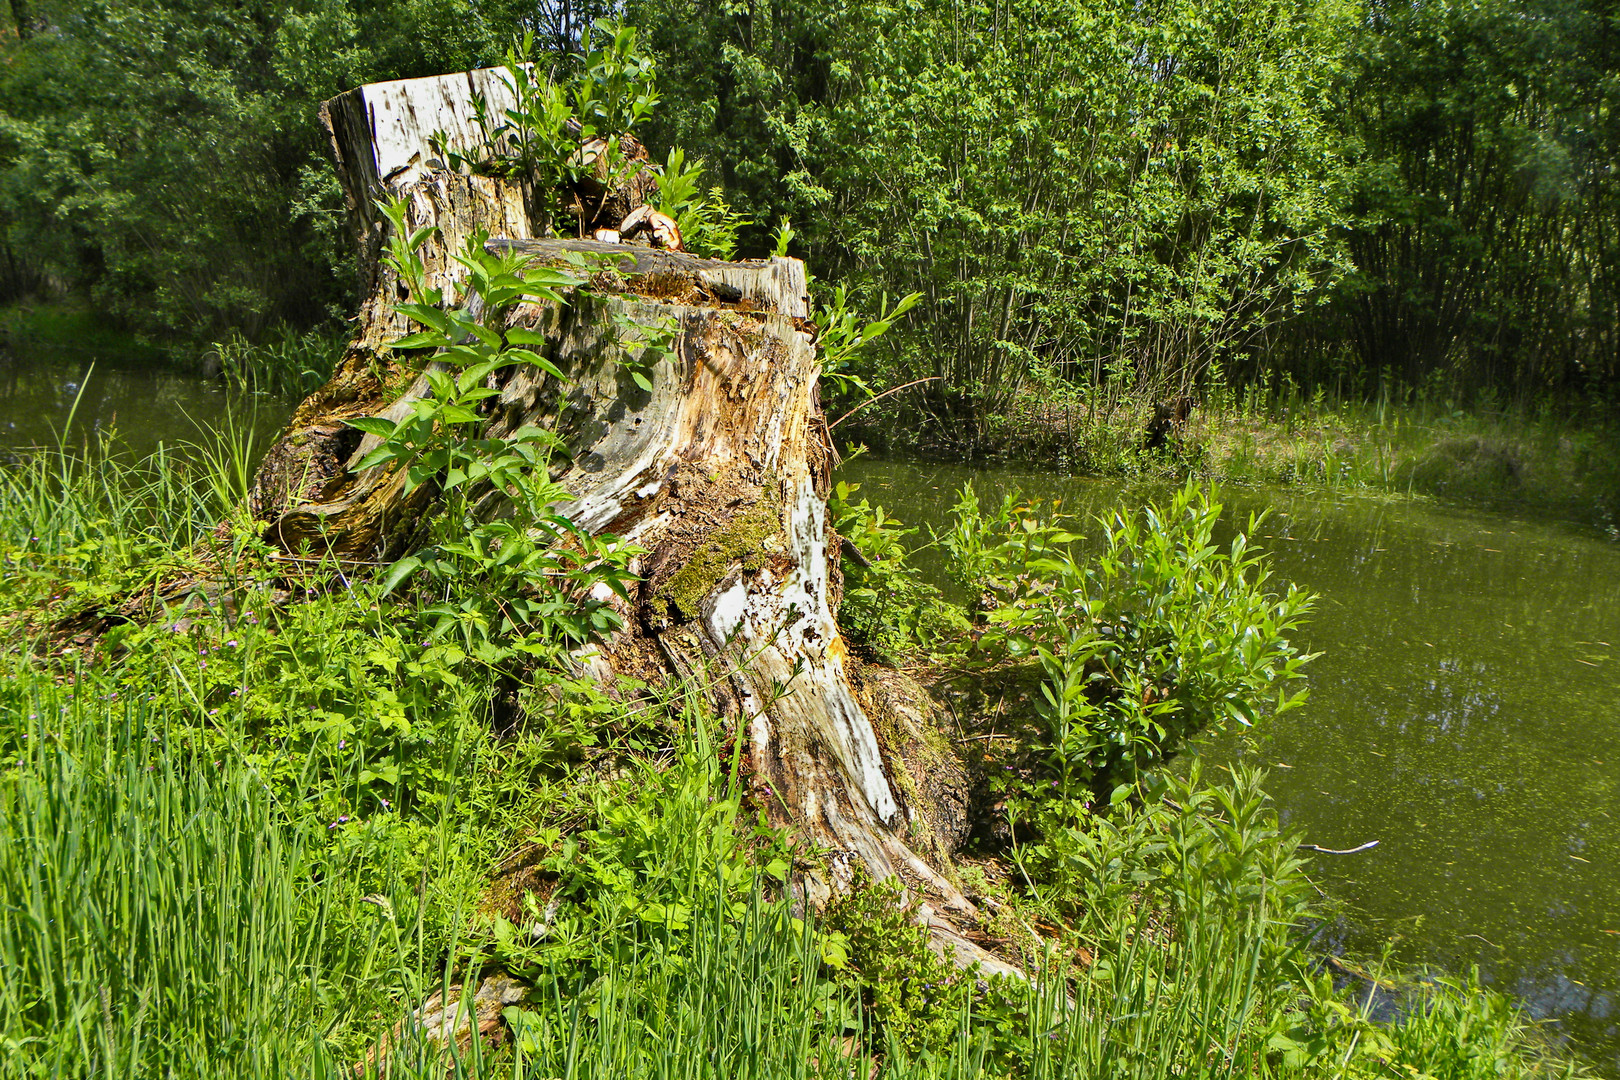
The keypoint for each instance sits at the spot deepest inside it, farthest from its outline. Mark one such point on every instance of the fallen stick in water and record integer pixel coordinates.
(1346, 851)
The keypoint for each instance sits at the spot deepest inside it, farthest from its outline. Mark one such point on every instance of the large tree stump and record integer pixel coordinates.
(721, 472)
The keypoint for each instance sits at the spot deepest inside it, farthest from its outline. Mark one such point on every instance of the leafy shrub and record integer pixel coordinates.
(513, 585)
(1213, 847)
(610, 92)
(1161, 637)
(888, 606)
(708, 224)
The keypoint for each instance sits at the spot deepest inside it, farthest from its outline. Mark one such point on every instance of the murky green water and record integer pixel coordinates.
(1465, 713)
(42, 388)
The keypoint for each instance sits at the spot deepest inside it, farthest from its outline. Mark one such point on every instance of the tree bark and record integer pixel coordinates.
(720, 472)
(23, 19)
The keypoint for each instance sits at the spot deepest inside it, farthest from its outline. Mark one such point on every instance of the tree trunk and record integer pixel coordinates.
(720, 472)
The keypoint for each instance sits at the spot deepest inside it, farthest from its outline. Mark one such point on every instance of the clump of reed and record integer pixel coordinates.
(285, 363)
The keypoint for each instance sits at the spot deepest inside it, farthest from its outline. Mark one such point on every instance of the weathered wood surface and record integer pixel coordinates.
(770, 285)
(721, 472)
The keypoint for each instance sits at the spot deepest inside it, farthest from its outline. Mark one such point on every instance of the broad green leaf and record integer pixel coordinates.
(373, 425)
(397, 573)
(379, 456)
(424, 339)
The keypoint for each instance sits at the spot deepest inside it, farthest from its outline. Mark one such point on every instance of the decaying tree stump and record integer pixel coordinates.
(721, 472)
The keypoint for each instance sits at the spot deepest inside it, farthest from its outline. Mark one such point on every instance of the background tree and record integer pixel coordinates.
(1117, 197)
(1483, 216)
(164, 157)
(1122, 192)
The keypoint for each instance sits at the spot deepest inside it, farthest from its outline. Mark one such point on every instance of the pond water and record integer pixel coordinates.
(1463, 713)
(142, 402)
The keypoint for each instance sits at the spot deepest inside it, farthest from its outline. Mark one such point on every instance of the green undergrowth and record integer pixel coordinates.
(249, 832)
(1557, 458)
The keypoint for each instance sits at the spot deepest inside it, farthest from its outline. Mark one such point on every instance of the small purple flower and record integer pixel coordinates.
(342, 743)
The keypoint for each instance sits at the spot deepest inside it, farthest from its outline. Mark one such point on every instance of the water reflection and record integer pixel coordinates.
(141, 402)
(1463, 713)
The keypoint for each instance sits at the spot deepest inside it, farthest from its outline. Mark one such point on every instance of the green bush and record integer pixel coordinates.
(1160, 638)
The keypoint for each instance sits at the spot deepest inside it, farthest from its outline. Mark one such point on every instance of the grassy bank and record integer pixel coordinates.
(249, 833)
(1561, 460)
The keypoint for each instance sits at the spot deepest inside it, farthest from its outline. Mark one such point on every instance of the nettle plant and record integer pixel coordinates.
(707, 222)
(541, 134)
(510, 572)
(1161, 636)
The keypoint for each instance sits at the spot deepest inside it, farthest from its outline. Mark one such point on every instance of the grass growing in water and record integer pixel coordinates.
(1558, 458)
(286, 363)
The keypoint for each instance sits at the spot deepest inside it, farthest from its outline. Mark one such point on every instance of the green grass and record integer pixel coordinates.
(162, 915)
(286, 363)
(156, 908)
(248, 839)
(1561, 459)
(1564, 463)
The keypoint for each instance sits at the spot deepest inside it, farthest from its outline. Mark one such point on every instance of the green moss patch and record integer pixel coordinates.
(743, 540)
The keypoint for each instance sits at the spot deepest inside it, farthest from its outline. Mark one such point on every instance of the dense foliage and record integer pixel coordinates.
(1127, 198)
(165, 158)
(1363, 196)
(248, 835)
